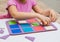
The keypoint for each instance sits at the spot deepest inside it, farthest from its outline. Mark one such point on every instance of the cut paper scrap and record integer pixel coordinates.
(22, 21)
(1, 31)
(30, 38)
(4, 37)
(49, 28)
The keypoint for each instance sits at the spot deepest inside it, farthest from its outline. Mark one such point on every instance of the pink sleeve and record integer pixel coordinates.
(34, 2)
(10, 2)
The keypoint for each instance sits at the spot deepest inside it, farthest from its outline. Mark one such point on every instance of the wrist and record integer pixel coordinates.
(38, 16)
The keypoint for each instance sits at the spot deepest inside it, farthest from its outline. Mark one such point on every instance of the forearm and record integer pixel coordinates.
(24, 15)
(20, 15)
(42, 12)
(37, 9)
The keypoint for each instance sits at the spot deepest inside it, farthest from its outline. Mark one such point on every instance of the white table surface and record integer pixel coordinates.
(53, 36)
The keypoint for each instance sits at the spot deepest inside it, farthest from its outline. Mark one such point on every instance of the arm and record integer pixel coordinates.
(37, 9)
(48, 12)
(20, 15)
(23, 15)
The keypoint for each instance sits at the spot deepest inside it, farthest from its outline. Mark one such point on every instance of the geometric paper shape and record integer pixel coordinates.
(22, 21)
(30, 38)
(12, 22)
(14, 26)
(1, 31)
(49, 27)
(35, 24)
(25, 25)
(31, 20)
(39, 28)
(4, 37)
(16, 31)
(28, 29)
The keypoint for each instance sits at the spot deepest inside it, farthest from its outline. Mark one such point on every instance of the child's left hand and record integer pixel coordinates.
(51, 14)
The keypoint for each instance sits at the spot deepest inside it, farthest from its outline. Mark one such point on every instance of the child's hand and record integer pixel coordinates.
(51, 14)
(45, 20)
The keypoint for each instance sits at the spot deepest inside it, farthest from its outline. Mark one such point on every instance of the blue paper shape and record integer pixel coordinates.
(29, 29)
(14, 26)
(16, 31)
(25, 25)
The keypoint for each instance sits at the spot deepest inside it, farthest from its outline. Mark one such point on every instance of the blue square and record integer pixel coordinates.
(16, 31)
(29, 29)
(14, 26)
(25, 25)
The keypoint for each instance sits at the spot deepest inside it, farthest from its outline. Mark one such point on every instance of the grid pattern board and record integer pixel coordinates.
(27, 26)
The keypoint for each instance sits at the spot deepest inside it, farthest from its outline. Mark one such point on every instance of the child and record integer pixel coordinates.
(21, 9)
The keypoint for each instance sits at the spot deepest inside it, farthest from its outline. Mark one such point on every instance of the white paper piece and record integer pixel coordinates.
(49, 27)
(22, 21)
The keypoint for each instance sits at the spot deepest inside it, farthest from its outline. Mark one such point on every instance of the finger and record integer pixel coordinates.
(39, 21)
(50, 17)
(48, 21)
(42, 22)
(53, 18)
(45, 22)
(53, 15)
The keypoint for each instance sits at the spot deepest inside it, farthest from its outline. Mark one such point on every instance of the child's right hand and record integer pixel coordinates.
(45, 20)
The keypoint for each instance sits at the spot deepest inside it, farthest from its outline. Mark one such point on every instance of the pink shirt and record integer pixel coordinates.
(27, 7)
